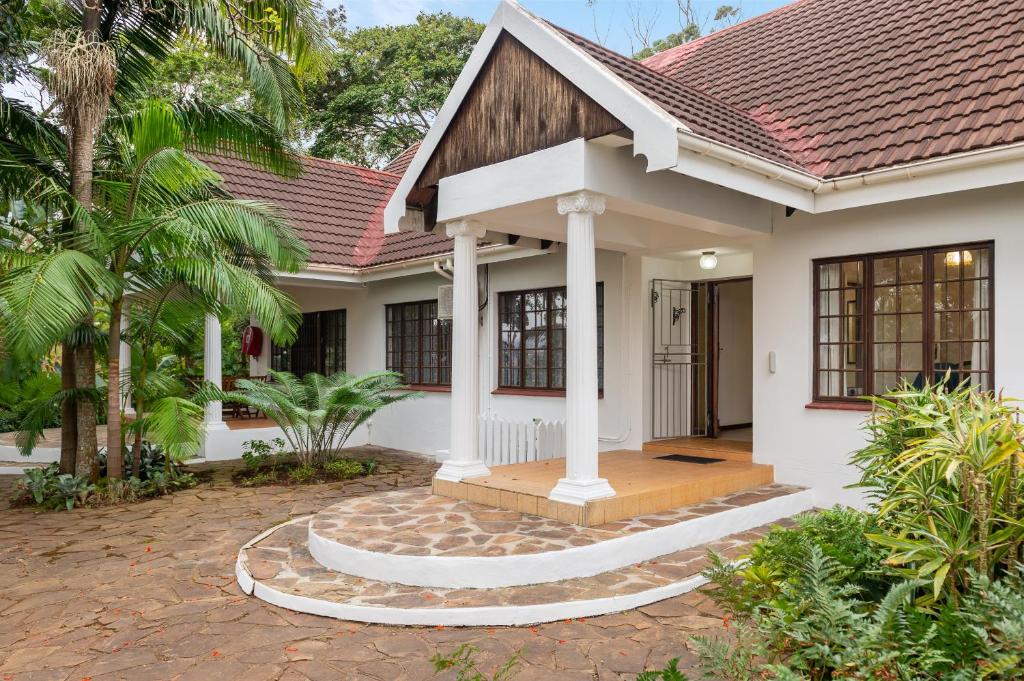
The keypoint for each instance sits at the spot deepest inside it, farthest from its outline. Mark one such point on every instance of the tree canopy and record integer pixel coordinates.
(385, 85)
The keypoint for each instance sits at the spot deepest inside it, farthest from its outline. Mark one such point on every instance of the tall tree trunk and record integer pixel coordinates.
(140, 411)
(115, 453)
(68, 411)
(81, 133)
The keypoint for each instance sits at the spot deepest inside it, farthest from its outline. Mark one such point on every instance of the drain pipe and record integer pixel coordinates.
(627, 427)
(444, 269)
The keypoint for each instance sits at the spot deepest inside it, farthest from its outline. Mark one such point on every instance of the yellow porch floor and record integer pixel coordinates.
(643, 484)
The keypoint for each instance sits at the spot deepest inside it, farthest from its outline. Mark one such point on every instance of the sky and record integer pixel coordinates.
(608, 21)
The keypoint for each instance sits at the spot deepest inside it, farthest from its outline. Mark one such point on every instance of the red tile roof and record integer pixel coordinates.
(703, 113)
(846, 87)
(401, 162)
(337, 209)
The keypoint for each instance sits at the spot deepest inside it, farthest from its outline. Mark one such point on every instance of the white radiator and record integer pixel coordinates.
(503, 442)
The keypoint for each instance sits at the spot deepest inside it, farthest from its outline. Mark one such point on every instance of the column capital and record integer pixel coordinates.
(464, 228)
(581, 202)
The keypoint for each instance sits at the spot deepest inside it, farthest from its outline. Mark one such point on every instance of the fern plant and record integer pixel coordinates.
(318, 413)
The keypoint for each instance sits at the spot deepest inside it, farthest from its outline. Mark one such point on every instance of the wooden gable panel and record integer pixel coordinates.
(518, 104)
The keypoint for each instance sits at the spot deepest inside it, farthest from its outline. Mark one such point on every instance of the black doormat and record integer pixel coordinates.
(686, 458)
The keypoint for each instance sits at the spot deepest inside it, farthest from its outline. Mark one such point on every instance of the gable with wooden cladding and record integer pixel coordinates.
(517, 105)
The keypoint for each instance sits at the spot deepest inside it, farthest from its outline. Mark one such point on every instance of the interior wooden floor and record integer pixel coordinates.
(643, 483)
(717, 448)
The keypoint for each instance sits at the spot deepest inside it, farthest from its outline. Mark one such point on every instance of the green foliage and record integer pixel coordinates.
(303, 473)
(27, 388)
(258, 454)
(670, 673)
(49, 488)
(344, 469)
(259, 479)
(318, 414)
(943, 467)
(693, 27)
(463, 661)
(385, 85)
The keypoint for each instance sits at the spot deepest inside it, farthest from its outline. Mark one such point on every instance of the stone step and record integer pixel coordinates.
(419, 539)
(278, 568)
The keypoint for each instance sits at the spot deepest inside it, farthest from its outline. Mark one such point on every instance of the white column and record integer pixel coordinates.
(211, 371)
(258, 365)
(126, 367)
(581, 483)
(462, 459)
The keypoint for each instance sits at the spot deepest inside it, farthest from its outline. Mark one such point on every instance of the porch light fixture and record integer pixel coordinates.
(708, 260)
(954, 258)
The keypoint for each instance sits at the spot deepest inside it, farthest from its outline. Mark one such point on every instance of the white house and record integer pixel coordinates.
(858, 208)
(714, 253)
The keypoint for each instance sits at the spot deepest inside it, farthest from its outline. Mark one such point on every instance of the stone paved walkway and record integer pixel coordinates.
(148, 592)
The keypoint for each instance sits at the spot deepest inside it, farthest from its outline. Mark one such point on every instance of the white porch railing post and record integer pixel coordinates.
(212, 371)
(125, 362)
(581, 482)
(463, 460)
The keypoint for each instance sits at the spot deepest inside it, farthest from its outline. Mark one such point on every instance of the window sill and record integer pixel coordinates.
(536, 392)
(415, 387)
(839, 406)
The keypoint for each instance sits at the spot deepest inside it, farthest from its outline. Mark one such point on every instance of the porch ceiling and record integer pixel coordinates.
(662, 211)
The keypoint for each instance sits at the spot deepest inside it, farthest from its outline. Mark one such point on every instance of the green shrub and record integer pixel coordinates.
(259, 479)
(370, 465)
(50, 488)
(344, 469)
(463, 661)
(261, 454)
(303, 473)
(943, 469)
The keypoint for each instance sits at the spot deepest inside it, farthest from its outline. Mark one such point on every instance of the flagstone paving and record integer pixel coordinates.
(147, 592)
(415, 522)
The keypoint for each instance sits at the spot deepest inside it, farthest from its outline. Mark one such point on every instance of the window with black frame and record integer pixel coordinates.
(531, 339)
(419, 345)
(916, 315)
(319, 346)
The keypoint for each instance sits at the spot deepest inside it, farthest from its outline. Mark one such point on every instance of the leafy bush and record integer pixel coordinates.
(344, 469)
(49, 488)
(943, 469)
(929, 585)
(303, 473)
(317, 413)
(258, 454)
(26, 389)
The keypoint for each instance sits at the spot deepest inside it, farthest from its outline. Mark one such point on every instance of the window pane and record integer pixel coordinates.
(976, 263)
(884, 299)
(911, 297)
(886, 381)
(911, 356)
(976, 293)
(886, 356)
(911, 269)
(886, 328)
(885, 271)
(910, 327)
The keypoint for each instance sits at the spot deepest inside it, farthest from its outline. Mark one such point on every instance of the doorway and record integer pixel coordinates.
(702, 359)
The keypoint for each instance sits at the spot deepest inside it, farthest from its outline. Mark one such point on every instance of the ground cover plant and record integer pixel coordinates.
(48, 488)
(927, 584)
(270, 463)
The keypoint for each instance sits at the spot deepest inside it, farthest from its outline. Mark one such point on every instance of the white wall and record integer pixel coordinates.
(422, 425)
(736, 353)
(811, 447)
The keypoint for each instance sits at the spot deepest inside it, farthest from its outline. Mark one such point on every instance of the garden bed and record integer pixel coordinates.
(266, 463)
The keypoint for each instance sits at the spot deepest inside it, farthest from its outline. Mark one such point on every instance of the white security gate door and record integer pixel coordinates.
(679, 375)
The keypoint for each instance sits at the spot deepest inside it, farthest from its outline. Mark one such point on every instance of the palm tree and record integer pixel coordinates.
(319, 413)
(159, 229)
(109, 47)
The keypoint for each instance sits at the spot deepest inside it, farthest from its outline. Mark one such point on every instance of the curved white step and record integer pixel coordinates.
(350, 538)
(276, 568)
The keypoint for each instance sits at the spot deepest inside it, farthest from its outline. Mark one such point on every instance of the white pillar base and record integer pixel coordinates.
(579, 492)
(216, 426)
(455, 471)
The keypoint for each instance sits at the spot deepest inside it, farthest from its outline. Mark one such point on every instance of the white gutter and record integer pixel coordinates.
(361, 275)
(703, 146)
(909, 171)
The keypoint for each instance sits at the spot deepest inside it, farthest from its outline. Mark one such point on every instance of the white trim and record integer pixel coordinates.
(481, 572)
